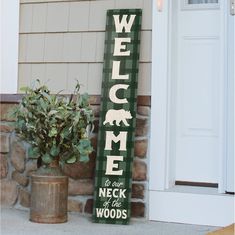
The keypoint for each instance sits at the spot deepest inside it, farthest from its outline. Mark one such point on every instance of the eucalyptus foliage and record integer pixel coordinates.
(55, 125)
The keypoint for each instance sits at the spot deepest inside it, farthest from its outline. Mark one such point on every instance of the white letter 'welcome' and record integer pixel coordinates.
(111, 166)
(111, 137)
(123, 24)
(112, 94)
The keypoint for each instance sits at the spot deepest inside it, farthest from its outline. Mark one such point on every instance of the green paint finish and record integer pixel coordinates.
(117, 117)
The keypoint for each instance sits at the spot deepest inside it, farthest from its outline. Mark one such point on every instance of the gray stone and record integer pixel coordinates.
(6, 128)
(81, 170)
(137, 209)
(3, 166)
(143, 110)
(24, 198)
(4, 110)
(81, 187)
(141, 127)
(75, 205)
(18, 156)
(20, 179)
(4, 143)
(31, 166)
(9, 192)
(141, 148)
(139, 171)
(137, 191)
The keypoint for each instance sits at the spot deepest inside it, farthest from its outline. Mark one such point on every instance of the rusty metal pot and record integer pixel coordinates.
(49, 195)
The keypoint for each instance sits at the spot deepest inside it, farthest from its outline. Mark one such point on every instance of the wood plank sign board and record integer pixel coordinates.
(117, 117)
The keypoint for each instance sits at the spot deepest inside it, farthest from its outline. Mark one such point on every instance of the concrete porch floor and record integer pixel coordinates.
(16, 222)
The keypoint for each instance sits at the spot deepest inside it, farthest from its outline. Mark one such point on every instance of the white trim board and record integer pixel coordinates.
(159, 87)
(212, 209)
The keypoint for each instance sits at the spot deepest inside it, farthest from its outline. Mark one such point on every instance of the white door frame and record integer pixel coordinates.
(167, 203)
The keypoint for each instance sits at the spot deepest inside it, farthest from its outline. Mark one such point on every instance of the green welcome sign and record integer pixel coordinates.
(117, 117)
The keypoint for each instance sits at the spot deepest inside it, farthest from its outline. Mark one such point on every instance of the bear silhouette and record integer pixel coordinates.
(119, 115)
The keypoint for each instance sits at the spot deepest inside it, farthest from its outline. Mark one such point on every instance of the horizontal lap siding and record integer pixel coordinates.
(61, 41)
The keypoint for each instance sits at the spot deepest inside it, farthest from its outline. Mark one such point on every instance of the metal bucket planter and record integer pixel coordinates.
(49, 196)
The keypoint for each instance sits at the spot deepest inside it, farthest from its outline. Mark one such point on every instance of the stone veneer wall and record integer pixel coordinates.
(16, 167)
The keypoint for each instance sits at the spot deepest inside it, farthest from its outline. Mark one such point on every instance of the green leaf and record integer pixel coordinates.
(84, 143)
(47, 159)
(25, 89)
(55, 151)
(52, 132)
(52, 112)
(84, 100)
(46, 95)
(65, 132)
(43, 104)
(33, 152)
(85, 146)
(84, 158)
(77, 117)
(72, 160)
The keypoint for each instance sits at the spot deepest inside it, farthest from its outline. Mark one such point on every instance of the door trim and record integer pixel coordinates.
(161, 173)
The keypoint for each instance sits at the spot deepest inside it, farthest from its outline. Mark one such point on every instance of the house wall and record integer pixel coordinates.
(61, 41)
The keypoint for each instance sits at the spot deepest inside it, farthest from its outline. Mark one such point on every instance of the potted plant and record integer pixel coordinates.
(57, 129)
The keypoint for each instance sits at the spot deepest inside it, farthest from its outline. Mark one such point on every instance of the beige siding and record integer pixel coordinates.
(26, 17)
(79, 16)
(39, 17)
(63, 41)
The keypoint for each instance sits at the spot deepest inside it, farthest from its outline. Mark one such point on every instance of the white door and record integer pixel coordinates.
(198, 96)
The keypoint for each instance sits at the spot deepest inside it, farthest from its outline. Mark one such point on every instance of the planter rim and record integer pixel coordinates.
(49, 176)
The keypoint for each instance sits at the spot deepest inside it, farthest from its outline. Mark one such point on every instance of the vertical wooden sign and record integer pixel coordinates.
(117, 117)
